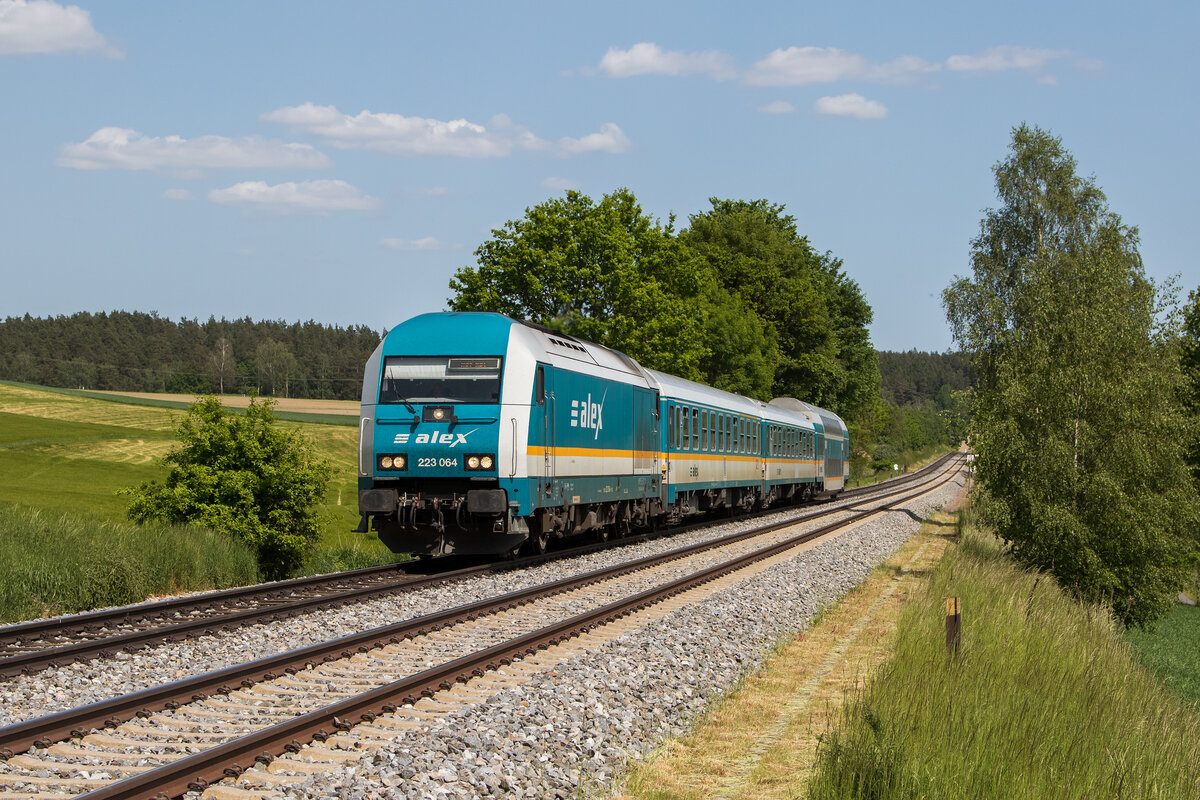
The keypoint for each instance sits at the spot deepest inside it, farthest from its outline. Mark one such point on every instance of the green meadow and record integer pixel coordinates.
(69, 453)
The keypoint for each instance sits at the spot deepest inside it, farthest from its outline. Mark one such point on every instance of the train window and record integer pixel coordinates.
(729, 433)
(721, 432)
(704, 429)
(737, 434)
(670, 427)
(440, 379)
(685, 437)
(695, 429)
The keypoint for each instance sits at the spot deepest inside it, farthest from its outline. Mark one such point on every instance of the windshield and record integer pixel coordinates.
(440, 379)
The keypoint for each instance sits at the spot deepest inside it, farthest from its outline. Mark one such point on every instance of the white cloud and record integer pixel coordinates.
(778, 107)
(418, 136)
(427, 243)
(851, 105)
(560, 184)
(647, 58)
(1004, 57)
(609, 139)
(803, 66)
(123, 148)
(306, 196)
(177, 194)
(41, 26)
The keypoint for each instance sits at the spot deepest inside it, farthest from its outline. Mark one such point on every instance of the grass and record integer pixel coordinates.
(1172, 651)
(1045, 699)
(63, 451)
(54, 564)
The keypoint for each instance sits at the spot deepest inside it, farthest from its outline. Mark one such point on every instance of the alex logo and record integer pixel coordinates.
(452, 439)
(586, 414)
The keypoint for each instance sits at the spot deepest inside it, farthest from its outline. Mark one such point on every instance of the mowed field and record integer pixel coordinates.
(69, 452)
(293, 405)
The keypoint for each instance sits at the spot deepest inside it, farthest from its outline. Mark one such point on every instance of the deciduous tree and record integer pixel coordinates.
(605, 272)
(1077, 423)
(814, 316)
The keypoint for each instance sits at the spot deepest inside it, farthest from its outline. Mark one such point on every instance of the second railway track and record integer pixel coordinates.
(26, 648)
(283, 703)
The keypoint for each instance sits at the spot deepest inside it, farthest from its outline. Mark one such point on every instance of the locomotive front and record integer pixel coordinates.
(431, 443)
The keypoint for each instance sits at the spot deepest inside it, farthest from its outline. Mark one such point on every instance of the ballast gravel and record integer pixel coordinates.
(559, 734)
(565, 733)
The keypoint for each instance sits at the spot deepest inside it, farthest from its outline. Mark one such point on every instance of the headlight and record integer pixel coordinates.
(479, 461)
(439, 413)
(392, 462)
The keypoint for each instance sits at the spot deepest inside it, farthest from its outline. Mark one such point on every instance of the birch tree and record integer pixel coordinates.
(1077, 422)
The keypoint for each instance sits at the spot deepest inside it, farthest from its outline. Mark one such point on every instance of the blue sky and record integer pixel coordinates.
(338, 162)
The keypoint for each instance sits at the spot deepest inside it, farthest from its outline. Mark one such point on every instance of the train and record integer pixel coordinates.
(482, 434)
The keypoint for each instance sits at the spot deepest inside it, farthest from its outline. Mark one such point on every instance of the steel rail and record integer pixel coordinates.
(74, 723)
(49, 657)
(196, 772)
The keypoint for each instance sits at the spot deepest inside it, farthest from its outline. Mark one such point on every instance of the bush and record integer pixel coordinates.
(244, 476)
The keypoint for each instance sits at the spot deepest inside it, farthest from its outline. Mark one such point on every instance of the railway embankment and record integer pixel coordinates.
(1045, 697)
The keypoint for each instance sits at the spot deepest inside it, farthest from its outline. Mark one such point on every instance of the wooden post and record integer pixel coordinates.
(953, 625)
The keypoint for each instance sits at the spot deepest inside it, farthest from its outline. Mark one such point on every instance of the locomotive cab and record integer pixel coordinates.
(430, 438)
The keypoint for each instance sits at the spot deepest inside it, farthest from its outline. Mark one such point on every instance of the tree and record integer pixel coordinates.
(814, 317)
(220, 364)
(605, 272)
(1076, 422)
(244, 476)
(274, 365)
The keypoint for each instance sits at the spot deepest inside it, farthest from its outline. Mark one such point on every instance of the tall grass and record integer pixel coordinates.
(56, 564)
(1043, 700)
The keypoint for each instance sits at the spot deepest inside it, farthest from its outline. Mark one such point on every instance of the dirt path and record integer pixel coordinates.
(762, 741)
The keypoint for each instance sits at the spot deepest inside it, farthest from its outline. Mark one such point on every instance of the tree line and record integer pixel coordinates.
(140, 352)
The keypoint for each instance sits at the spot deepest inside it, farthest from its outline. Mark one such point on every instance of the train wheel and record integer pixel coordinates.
(602, 534)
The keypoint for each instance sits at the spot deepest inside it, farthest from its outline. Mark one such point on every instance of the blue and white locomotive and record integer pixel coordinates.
(483, 434)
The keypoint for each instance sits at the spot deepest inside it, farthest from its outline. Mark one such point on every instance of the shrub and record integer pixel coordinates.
(244, 476)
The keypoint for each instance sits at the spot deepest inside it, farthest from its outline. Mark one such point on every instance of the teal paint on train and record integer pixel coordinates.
(575, 420)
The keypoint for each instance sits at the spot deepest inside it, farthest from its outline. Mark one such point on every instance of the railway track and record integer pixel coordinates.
(321, 699)
(30, 647)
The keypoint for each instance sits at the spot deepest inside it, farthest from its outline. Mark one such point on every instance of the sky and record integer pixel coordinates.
(339, 161)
